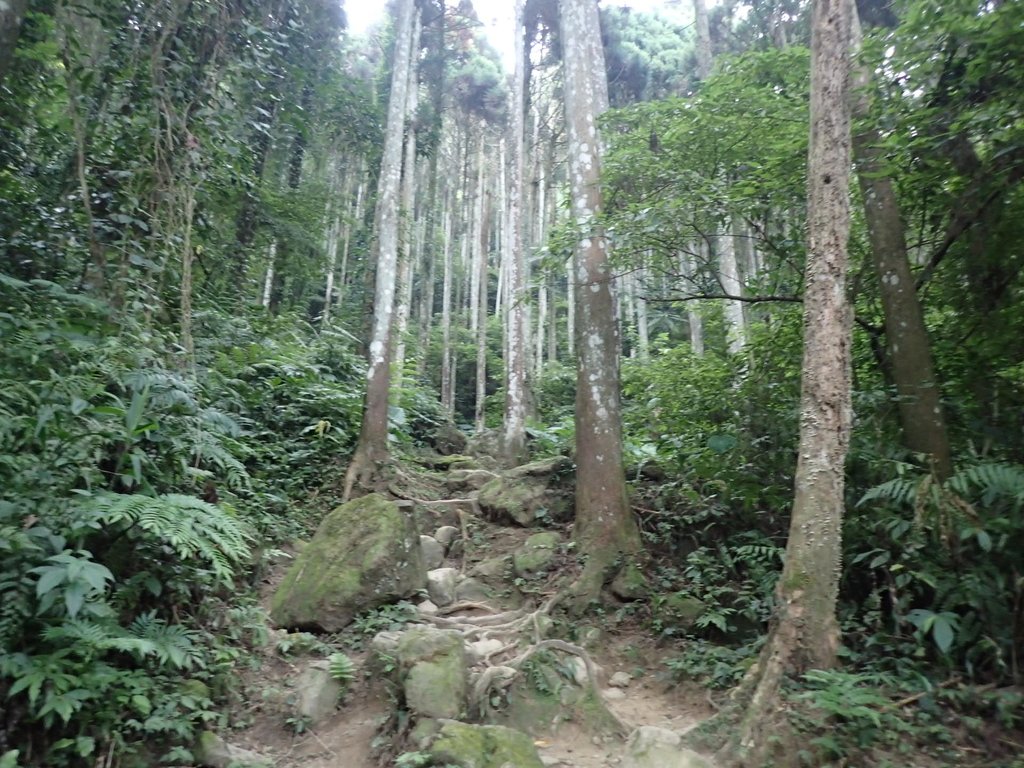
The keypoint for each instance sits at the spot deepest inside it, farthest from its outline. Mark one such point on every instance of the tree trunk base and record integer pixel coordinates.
(367, 473)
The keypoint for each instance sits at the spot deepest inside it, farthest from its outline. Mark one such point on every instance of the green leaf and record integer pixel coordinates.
(942, 633)
(51, 577)
(142, 704)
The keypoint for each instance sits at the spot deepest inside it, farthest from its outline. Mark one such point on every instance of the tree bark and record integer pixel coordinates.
(372, 454)
(804, 633)
(703, 34)
(728, 266)
(604, 528)
(12, 14)
(919, 400)
(514, 434)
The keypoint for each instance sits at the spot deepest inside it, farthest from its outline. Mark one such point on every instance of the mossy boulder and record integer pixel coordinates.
(530, 495)
(678, 610)
(212, 751)
(630, 583)
(365, 554)
(448, 440)
(483, 746)
(546, 694)
(433, 668)
(653, 747)
(537, 554)
(465, 480)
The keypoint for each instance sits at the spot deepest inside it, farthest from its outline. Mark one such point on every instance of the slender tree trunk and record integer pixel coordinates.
(694, 318)
(703, 34)
(516, 396)
(643, 336)
(337, 192)
(12, 13)
(918, 395)
(372, 454)
(804, 633)
(604, 528)
(481, 324)
(729, 274)
(407, 229)
(447, 395)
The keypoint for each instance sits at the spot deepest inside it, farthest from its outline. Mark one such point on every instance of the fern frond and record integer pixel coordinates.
(995, 481)
(191, 527)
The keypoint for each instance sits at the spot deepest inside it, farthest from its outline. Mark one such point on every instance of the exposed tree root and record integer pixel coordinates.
(517, 625)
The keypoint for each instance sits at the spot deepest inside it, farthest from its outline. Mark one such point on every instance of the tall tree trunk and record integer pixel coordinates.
(407, 228)
(604, 528)
(12, 14)
(919, 400)
(804, 633)
(694, 319)
(447, 395)
(514, 435)
(481, 323)
(372, 454)
(703, 34)
(729, 274)
(338, 192)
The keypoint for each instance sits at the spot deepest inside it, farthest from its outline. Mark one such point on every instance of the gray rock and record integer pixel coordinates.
(432, 666)
(630, 583)
(433, 552)
(214, 752)
(484, 746)
(385, 643)
(579, 670)
(481, 649)
(613, 694)
(465, 480)
(492, 568)
(446, 534)
(470, 590)
(653, 747)
(537, 554)
(365, 554)
(426, 608)
(441, 585)
(318, 693)
(620, 680)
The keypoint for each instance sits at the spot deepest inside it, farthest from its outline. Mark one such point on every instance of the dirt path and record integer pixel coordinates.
(347, 738)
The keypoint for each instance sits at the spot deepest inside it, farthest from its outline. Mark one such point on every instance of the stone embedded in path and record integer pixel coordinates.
(433, 552)
(620, 680)
(484, 746)
(213, 752)
(446, 534)
(465, 480)
(481, 649)
(441, 585)
(433, 670)
(365, 554)
(426, 608)
(318, 693)
(470, 590)
(531, 494)
(652, 747)
(537, 554)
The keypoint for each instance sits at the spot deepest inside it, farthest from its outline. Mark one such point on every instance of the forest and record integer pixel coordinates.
(644, 390)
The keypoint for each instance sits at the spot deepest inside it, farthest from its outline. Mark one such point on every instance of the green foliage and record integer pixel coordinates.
(942, 555)
(342, 669)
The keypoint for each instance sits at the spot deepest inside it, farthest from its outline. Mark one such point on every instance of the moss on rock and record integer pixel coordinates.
(537, 553)
(365, 554)
(433, 670)
(484, 746)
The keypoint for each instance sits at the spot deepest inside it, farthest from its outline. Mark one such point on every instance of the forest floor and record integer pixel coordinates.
(352, 736)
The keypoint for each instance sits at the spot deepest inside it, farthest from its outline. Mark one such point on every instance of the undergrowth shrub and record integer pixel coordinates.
(132, 489)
